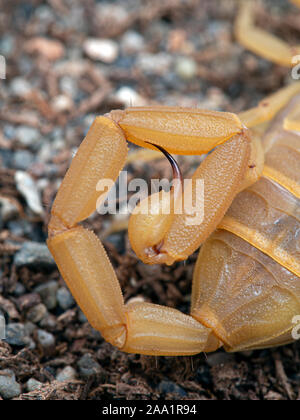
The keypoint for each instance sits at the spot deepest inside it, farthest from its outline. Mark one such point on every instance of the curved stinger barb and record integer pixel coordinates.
(175, 192)
(177, 174)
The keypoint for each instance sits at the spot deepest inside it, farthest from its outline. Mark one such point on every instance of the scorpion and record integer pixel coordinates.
(246, 282)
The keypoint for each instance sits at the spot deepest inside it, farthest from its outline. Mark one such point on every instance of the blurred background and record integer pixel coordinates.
(66, 62)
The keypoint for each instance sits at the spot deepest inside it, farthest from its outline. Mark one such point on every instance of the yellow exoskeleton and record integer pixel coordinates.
(246, 285)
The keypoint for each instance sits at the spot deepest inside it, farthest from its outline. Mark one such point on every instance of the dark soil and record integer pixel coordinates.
(173, 52)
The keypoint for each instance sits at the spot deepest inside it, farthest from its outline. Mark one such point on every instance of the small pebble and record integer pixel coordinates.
(104, 50)
(48, 48)
(82, 318)
(9, 387)
(45, 339)
(36, 255)
(28, 300)
(132, 42)
(29, 328)
(8, 209)
(111, 16)
(48, 322)
(88, 366)
(33, 385)
(129, 97)
(47, 291)
(6, 158)
(64, 298)
(62, 103)
(27, 187)
(186, 68)
(28, 136)
(66, 375)
(16, 334)
(23, 159)
(27, 229)
(157, 64)
(7, 45)
(20, 87)
(37, 313)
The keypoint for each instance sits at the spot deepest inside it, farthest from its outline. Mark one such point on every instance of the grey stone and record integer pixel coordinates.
(132, 42)
(29, 327)
(47, 291)
(9, 387)
(82, 318)
(88, 366)
(25, 228)
(33, 385)
(7, 45)
(23, 159)
(16, 334)
(67, 374)
(8, 209)
(155, 63)
(28, 136)
(45, 339)
(64, 298)
(37, 313)
(48, 322)
(35, 255)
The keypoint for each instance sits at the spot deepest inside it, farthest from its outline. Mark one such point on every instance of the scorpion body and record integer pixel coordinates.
(246, 288)
(246, 284)
(246, 281)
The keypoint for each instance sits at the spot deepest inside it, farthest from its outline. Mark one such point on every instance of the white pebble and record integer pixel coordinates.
(132, 42)
(129, 97)
(27, 187)
(104, 50)
(20, 87)
(186, 68)
(62, 103)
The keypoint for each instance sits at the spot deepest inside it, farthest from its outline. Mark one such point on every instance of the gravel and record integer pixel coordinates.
(35, 255)
(8, 209)
(33, 385)
(16, 334)
(64, 298)
(48, 291)
(9, 387)
(46, 340)
(37, 313)
(104, 50)
(28, 136)
(27, 187)
(88, 366)
(67, 374)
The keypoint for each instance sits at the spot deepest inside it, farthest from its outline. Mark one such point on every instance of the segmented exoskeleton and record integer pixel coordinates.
(247, 278)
